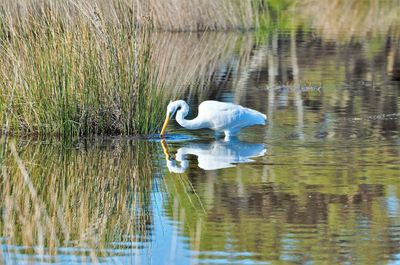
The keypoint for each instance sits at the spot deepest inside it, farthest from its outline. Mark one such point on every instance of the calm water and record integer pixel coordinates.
(320, 184)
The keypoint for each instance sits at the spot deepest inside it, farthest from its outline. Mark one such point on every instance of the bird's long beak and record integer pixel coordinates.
(164, 127)
(165, 149)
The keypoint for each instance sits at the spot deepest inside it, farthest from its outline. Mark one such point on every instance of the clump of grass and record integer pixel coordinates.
(75, 76)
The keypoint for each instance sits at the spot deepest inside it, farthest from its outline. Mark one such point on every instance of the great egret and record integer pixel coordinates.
(221, 117)
(213, 155)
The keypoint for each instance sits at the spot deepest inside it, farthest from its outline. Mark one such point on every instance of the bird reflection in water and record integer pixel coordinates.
(213, 155)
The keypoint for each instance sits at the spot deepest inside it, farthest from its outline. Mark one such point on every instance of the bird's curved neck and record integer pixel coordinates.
(196, 123)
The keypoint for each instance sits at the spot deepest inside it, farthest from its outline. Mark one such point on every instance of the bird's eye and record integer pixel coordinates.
(178, 108)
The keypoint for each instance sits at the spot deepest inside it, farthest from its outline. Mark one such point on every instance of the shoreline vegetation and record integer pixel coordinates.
(81, 68)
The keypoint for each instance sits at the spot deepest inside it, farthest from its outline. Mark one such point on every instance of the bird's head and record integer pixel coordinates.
(172, 108)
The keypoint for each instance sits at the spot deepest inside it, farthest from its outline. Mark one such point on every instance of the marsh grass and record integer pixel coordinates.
(75, 76)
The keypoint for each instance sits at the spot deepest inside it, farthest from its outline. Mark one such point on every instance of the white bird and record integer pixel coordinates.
(222, 117)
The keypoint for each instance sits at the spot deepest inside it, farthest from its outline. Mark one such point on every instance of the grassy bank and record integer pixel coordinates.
(71, 70)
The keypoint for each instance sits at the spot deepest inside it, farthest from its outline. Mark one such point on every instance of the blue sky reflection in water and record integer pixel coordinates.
(322, 185)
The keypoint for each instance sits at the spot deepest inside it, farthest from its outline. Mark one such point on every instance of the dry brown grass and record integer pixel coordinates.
(199, 14)
(187, 63)
(343, 20)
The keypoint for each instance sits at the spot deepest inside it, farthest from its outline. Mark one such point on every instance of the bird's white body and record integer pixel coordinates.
(222, 117)
(229, 118)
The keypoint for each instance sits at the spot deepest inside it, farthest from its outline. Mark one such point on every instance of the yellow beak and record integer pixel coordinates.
(164, 126)
(165, 149)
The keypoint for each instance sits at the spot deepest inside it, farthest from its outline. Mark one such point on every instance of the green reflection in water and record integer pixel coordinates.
(294, 212)
(84, 196)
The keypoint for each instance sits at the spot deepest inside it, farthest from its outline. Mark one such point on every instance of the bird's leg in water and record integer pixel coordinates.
(218, 134)
(165, 149)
